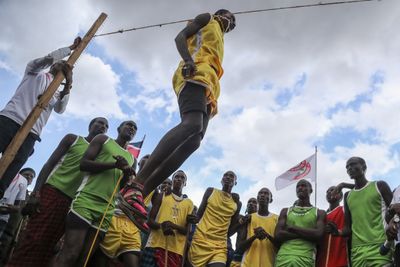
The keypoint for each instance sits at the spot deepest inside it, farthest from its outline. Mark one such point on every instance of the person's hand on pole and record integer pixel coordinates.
(77, 41)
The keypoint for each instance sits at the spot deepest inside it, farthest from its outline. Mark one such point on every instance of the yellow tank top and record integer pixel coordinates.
(147, 200)
(174, 209)
(262, 252)
(207, 50)
(213, 226)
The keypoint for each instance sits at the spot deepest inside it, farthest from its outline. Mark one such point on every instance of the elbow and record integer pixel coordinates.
(179, 39)
(83, 166)
(278, 237)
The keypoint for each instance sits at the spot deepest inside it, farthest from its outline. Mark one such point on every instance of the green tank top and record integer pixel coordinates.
(66, 175)
(101, 185)
(367, 209)
(305, 217)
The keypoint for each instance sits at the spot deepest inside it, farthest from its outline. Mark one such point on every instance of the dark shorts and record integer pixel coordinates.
(192, 98)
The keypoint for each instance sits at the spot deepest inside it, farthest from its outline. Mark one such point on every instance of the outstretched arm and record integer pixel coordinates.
(39, 64)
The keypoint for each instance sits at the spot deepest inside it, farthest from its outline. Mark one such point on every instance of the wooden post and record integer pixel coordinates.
(19, 138)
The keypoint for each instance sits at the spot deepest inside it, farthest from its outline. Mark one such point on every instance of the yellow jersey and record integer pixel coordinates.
(207, 50)
(174, 209)
(214, 225)
(262, 252)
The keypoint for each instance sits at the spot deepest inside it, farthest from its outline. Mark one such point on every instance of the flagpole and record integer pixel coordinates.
(316, 176)
(144, 137)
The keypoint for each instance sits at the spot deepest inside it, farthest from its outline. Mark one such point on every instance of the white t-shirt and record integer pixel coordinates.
(33, 85)
(15, 191)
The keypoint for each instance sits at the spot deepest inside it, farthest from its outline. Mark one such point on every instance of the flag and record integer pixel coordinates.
(305, 169)
(135, 147)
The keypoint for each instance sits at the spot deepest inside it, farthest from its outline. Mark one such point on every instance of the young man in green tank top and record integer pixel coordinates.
(105, 161)
(299, 229)
(51, 198)
(365, 207)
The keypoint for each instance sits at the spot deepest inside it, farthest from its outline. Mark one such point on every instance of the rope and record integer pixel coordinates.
(319, 4)
(102, 219)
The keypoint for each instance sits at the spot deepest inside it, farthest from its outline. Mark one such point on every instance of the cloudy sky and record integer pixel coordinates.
(295, 79)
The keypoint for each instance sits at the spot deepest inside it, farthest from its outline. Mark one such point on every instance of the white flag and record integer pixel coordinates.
(305, 169)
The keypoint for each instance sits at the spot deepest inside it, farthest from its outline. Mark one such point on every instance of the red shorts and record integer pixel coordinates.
(44, 229)
(173, 259)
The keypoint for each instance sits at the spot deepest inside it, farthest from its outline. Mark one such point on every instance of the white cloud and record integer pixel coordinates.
(94, 92)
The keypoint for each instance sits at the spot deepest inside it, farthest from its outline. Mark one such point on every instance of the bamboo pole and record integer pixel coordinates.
(22, 133)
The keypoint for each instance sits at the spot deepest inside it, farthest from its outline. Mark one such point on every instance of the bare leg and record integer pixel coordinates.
(218, 264)
(88, 243)
(130, 259)
(172, 150)
(75, 235)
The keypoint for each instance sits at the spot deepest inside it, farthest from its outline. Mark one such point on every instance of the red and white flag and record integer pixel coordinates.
(305, 169)
(135, 147)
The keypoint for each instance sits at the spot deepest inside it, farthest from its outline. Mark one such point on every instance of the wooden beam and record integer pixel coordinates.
(19, 138)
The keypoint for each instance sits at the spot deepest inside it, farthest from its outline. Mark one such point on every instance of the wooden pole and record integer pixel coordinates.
(20, 136)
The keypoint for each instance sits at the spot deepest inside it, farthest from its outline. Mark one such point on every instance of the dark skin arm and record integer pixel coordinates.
(89, 164)
(387, 195)
(340, 186)
(347, 219)
(244, 244)
(311, 234)
(55, 157)
(181, 42)
(281, 232)
(154, 211)
(235, 219)
(203, 204)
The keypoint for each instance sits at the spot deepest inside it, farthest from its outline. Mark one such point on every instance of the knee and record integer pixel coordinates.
(194, 142)
(193, 128)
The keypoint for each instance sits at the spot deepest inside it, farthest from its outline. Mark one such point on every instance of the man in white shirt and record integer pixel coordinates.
(34, 83)
(14, 196)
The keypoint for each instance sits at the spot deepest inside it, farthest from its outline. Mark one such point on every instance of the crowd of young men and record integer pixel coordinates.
(89, 196)
(181, 235)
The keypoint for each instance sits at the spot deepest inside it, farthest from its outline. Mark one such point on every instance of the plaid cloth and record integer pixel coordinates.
(173, 259)
(43, 231)
(148, 258)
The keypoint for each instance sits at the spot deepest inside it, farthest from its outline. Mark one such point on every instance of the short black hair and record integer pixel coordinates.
(94, 120)
(361, 160)
(122, 124)
(224, 11)
(28, 170)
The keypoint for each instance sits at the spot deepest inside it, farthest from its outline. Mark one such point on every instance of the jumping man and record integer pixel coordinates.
(196, 84)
